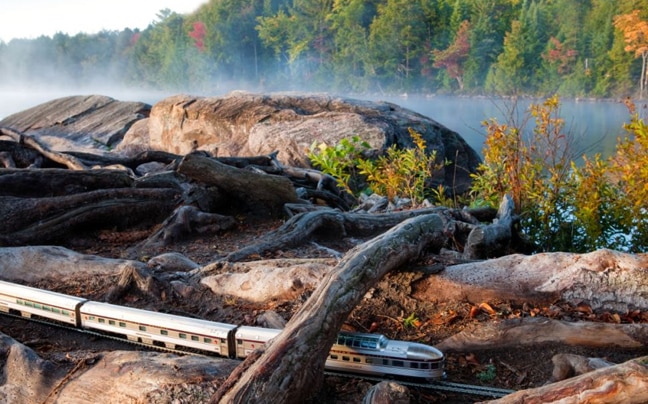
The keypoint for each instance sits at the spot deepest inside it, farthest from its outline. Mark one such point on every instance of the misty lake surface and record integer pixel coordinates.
(595, 125)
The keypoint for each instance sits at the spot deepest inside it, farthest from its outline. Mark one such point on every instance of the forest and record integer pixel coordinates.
(573, 48)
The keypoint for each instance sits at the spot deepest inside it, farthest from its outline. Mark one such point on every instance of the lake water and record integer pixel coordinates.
(595, 125)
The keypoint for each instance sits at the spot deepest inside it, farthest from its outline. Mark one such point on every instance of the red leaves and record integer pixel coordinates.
(198, 34)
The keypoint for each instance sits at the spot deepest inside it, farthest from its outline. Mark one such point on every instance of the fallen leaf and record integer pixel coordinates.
(487, 308)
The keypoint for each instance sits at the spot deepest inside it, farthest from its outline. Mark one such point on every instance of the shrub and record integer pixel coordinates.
(397, 173)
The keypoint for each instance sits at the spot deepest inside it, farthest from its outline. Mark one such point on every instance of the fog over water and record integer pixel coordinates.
(595, 125)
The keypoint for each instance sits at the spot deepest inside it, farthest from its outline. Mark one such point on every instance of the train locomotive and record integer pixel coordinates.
(372, 354)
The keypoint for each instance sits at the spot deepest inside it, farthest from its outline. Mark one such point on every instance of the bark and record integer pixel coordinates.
(625, 383)
(492, 240)
(184, 221)
(59, 182)
(603, 279)
(262, 194)
(302, 227)
(535, 331)
(37, 220)
(291, 368)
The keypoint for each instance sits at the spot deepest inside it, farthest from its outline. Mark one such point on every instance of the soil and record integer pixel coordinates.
(387, 309)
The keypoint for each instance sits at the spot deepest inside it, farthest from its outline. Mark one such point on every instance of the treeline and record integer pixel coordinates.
(574, 48)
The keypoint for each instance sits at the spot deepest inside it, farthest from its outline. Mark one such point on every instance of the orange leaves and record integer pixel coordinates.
(635, 32)
(482, 307)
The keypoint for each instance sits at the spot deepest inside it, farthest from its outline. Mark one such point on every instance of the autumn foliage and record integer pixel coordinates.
(565, 206)
(452, 58)
(198, 34)
(635, 34)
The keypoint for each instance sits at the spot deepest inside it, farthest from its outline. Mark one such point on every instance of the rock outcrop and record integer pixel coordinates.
(241, 124)
(79, 122)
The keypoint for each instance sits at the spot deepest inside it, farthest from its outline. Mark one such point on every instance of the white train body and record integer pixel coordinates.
(250, 338)
(156, 328)
(375, 354)
(31, 301)
(351, 352)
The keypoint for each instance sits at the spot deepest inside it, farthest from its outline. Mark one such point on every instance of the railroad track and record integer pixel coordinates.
(440, 385)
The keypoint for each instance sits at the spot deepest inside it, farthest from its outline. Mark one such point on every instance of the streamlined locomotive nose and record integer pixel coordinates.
(423, 352)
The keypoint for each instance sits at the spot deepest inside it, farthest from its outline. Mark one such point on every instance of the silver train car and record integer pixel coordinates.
(351, 352)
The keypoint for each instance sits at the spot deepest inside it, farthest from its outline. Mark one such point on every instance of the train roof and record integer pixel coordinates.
(256, 333)
(362, 340)
(161, 320)
(39, 295)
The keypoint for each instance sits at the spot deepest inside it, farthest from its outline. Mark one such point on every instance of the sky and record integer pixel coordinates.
(33, 18)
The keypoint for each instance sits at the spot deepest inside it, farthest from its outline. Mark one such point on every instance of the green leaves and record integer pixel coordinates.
(397, 173)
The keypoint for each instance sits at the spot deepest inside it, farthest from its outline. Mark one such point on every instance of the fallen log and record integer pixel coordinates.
(603, 279)
(262, 194)
(64, 159)
(59, 182)
(37, 220)
(625, 383)
(538, 330)
(292, 365)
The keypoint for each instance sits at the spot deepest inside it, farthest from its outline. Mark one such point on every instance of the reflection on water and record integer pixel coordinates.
(595, 125)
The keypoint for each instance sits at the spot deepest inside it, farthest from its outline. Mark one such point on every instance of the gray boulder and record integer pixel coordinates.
(240, 124)
(82, 122)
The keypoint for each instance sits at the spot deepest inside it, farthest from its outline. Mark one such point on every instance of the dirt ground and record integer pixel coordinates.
(388, 309)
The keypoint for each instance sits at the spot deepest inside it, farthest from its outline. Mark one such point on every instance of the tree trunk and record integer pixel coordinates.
(291, 368)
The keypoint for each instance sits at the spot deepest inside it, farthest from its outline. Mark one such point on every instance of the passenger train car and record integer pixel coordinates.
(351, 352)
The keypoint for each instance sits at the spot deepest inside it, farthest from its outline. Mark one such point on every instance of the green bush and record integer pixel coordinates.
(397, 173)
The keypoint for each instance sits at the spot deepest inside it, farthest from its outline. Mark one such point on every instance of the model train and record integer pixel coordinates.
(351, 352)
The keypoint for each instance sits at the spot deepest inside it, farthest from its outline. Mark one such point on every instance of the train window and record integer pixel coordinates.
(435, 366)
(334, 357)
(207, 340)
(385, 361)
(182, 335)
(47, 308)
(164, 332)
(369, 360)
(425, 365)
(57, 311)
(122, 324)
(65, 312)
(37, 306)
(398, 363)
(19, 301)
(195, 338)
(356, 359)
(223, 340)
(102, 320)
(345, 358)
(414, 365)
(142, 328)
(239, 341)
(111, 322)
(91, 318)
(29, 304)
